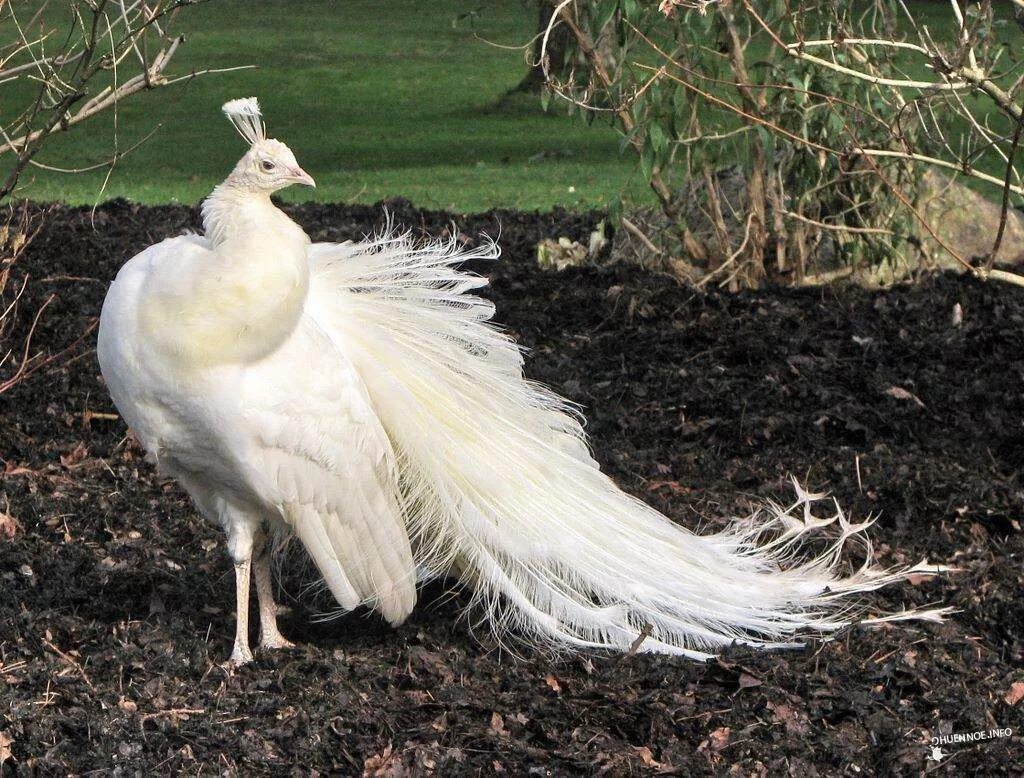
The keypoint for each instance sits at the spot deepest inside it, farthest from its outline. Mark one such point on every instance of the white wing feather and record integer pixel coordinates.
(325, 460)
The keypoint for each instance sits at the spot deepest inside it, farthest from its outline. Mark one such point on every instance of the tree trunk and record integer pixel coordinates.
(558, 45)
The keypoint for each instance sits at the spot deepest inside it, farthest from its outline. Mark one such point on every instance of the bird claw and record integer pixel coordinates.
(275, 641)
(240, 655)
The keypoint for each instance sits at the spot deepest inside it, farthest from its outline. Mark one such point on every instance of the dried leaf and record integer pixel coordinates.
(383, 765)
(6, 741)
(1016, 693)
(748, 681)
(553, 683)
(899, 393)
(720, 738)
(498, 725)
(8, 526)
(673, 486)
(285, 713)
(788, 717)
(13, 470)
(714, 743)
(647, 757)
(75, 456)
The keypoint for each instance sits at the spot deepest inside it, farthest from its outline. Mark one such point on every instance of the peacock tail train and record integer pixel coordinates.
(496, 482)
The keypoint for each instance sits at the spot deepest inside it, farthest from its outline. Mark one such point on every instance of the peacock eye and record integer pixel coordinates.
(267, 165)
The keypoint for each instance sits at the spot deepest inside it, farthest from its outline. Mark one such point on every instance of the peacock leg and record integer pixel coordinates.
(241, 653)
(270, 637)
(240, 547)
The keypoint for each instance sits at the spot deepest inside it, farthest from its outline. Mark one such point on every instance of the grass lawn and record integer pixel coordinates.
(377, 99)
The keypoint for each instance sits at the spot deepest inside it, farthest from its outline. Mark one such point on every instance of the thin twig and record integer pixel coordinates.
(645, 633)
(24, 374)
(911, 156)
(637, 233)
(1002, 275)
(98, 42)
(71, 661)
(1005, 205)
(836, 227)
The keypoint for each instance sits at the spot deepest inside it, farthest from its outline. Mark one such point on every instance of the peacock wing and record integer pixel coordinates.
(323, 458)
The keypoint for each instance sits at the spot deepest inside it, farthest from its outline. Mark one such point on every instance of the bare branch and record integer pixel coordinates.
(104, 37)
(1004, 211)
(72, 64)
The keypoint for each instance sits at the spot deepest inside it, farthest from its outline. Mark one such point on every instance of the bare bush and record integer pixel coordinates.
(81, 58)
(18, 360)
(61, 64)
(16, 232)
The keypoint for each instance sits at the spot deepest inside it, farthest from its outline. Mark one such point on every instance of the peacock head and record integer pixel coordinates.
(268, 165)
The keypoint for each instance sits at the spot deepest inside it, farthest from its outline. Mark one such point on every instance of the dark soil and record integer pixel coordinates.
(116, 601)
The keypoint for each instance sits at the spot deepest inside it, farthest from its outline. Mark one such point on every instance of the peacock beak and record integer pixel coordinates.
(300, 176)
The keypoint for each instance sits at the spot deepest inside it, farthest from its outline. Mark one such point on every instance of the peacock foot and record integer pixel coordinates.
(275, 640)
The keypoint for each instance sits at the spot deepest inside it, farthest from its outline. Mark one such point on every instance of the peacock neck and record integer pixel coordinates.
(245, 297)
(231, 212)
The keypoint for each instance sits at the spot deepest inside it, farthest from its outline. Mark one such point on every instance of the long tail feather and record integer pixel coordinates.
(499, 484)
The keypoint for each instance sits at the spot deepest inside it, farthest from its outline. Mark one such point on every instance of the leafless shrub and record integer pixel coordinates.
(81, 58)
(19, 358)
(61, 64)
(16, 233)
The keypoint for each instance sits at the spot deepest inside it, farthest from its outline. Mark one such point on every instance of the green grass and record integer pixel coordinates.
(376, 99)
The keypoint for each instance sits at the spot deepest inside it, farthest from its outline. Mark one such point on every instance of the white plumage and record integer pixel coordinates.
(358, 396)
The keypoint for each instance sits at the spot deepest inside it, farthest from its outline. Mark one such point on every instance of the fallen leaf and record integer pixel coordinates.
(720, 738)
(383, 765)
(8, 526)
(553, 684)
(714, 743)
(12, 470)
(788, 717)
(673, 486)
(285, 713)
(1016, 693)
(76, 455)
(899, 393)
(6, 741)
(747, 681)
(647, 757)
(498, 725)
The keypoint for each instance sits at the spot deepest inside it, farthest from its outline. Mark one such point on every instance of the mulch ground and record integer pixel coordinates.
(116, 601)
